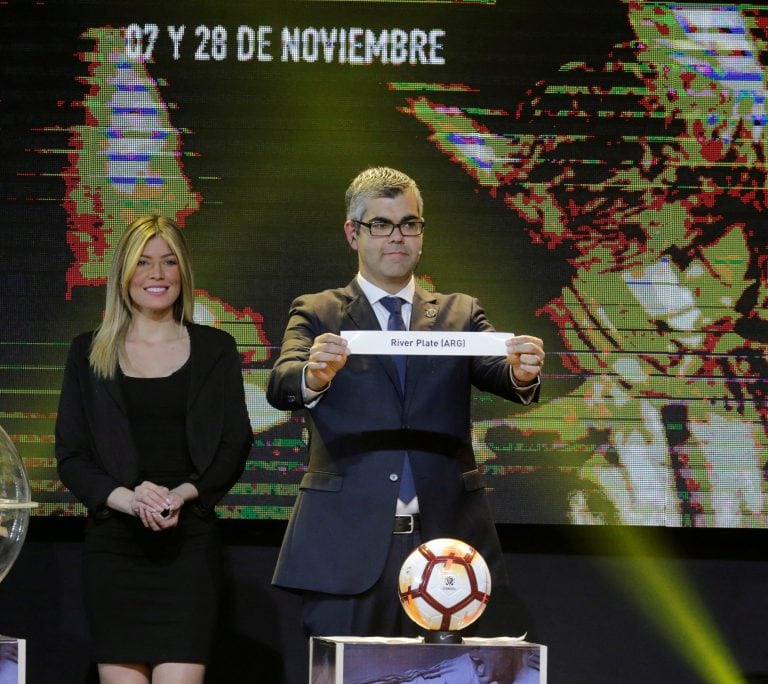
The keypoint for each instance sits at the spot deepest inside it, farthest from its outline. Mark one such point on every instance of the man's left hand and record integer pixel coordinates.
(525, 354)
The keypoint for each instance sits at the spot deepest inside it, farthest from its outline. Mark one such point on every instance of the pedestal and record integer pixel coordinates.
(13, 660)
(376, 660)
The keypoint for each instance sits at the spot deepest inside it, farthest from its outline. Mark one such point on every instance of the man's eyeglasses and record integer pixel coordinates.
(378, 228)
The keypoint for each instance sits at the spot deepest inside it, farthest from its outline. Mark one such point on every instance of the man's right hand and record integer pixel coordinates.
(327, 357)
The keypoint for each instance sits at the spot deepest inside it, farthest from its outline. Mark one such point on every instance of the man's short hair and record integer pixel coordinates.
(375, 182)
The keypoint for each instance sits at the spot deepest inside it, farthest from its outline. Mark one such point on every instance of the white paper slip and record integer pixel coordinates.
(426, 343)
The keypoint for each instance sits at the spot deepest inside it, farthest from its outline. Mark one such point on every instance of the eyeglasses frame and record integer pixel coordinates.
(394, 225)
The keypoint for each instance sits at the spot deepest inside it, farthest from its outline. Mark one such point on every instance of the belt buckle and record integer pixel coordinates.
(411, 526)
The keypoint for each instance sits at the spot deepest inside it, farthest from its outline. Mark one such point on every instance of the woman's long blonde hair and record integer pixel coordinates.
(110, 335)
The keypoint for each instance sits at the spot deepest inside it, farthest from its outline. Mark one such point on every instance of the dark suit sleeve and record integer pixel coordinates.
(77, 463)
(284, 388)
(235, 437)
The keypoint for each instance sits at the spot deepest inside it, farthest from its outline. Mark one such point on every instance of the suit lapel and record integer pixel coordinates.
(423, 318)
(112, 431)
(425, 310)
(201, 365)
(359, 310)
(112, 385)
(362, 317)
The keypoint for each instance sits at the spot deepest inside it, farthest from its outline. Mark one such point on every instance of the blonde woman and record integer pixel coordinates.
(152, 431)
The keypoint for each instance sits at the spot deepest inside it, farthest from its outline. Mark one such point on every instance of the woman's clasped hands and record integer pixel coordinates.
(156, 506)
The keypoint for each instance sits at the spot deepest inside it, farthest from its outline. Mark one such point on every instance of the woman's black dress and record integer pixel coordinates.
(153, 596)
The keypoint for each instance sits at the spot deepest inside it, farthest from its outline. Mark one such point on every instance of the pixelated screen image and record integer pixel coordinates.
(593, 172)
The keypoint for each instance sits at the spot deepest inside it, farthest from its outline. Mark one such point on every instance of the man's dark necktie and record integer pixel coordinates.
(395, 305)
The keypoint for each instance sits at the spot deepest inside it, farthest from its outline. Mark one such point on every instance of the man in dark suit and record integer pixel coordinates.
(380, 426)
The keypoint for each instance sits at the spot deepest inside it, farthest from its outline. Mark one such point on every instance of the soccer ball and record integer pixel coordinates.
(444, 585)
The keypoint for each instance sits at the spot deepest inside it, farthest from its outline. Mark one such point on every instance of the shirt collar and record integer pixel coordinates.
(374, 293)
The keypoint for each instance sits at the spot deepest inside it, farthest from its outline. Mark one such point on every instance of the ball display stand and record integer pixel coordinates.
(378, 660)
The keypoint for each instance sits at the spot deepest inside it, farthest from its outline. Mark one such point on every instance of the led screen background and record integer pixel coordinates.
(593, 172)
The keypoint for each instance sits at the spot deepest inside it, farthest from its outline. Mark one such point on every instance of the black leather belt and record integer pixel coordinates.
(406, 524)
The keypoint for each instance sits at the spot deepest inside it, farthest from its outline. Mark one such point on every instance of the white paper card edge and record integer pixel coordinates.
(426, 343)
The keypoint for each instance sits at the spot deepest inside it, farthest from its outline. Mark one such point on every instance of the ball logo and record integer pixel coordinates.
(449, 582)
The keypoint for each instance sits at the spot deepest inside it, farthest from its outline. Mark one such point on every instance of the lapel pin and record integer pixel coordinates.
(430, 313)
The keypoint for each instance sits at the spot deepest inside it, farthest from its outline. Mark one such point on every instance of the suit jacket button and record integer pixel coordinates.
(394, 477)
